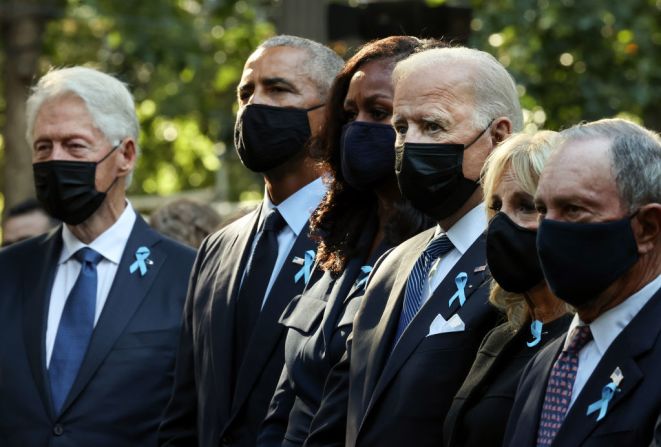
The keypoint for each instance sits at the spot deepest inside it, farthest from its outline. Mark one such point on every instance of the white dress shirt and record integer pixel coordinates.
(110, 244)
(462, 235)
(605, 329)
(296, 211)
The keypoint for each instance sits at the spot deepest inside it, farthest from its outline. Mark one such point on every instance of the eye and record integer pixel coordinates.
(496, 204)
(526, 207)
(350, 115)
(379, 114)
(431, 126)
(541, 209)
(401, 128)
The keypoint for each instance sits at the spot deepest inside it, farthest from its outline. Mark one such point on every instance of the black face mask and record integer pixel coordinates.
(581, 260)
(266, 136)
(430, 176)
(67, 190)
(367, 151)
(512, 255)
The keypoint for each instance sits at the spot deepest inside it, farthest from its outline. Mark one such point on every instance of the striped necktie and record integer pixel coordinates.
(416, 281)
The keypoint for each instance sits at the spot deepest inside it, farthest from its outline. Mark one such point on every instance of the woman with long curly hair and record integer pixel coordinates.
(361, 217)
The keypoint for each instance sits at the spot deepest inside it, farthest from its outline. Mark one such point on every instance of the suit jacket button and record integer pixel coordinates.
(58, 430)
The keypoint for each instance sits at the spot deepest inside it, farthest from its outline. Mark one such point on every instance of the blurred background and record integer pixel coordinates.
(573, 60)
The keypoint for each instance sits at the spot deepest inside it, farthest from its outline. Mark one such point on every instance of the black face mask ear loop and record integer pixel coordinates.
(118, 145)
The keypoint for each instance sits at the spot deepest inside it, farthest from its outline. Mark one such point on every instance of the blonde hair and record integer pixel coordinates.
(524, 155)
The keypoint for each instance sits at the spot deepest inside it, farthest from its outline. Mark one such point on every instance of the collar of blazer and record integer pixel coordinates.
(380, 352)
(637, 338)
(125, 296)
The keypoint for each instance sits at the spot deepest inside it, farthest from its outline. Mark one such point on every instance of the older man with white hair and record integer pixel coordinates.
(600, 250)
(425, 309)
(89, 313)
(232, 346)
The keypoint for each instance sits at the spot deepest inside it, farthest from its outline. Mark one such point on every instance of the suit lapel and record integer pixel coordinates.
(38, 284)
(268, 331)
(437, 303)
(636, 339)
(229, 268)
(127, 292)
(377, 342)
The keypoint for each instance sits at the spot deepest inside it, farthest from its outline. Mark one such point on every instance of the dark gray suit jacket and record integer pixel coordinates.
(400, 397)
(126, 377)
(204, 409)
(631, 413)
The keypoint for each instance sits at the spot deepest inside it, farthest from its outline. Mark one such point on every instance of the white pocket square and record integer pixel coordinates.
(440, 325)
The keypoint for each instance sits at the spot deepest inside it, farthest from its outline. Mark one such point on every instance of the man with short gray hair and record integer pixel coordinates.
(232, 345)
(425, 310)
(599, 246)
(90, 312)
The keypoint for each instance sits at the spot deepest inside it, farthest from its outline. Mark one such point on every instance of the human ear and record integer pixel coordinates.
(500, 130)
(646, 225)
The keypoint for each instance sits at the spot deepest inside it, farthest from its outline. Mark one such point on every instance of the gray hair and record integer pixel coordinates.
(323, 64)
(107, 99)
(494, 88)
(635, 154)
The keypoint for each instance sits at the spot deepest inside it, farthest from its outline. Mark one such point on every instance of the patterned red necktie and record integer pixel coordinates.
(559, 387)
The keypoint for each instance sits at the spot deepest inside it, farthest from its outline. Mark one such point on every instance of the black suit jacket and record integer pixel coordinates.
(318, 323)
(126, 376)
(481, 407)
(401, 398)
(204, 409)
(631, 413)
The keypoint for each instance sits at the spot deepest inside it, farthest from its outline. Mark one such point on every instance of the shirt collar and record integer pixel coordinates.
(110, 244)
(298, 207)
(610, 324)
(467, 229)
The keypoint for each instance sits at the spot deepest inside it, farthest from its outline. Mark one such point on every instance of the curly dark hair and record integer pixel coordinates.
(340, 219)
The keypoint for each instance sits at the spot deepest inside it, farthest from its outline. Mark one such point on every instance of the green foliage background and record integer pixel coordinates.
(572, 60)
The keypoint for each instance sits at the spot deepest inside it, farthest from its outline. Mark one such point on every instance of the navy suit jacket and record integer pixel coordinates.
(400, 397)
(631, 413)
(205, 410)
(126, 376)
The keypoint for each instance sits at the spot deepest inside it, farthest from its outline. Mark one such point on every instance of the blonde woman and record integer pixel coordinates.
(480, 409)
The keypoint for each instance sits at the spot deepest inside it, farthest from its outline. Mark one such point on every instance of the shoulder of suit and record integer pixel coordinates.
(497, 338)
(24, 249)
(177, 247)
(239, 226)
(416, 242)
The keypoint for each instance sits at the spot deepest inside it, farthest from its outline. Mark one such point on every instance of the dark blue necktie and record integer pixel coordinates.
(75, 329)
(416, 281)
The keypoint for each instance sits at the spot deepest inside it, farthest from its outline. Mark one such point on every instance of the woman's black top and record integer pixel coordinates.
(480, 410)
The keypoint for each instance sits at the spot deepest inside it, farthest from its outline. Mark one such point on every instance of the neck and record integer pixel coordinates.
(285, 180)
(102, 219)
(471, 203)
(642, 273)
(544, 305)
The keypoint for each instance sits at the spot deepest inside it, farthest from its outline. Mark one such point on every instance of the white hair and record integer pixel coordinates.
(107, 99)
(321, 67)
(635, 154)
(494, 88)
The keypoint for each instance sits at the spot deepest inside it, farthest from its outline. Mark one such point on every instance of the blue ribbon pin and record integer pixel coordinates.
(460, 281)
(362, 278)
(306, 270)
(536, 331)
(141, 255)
(602, 404)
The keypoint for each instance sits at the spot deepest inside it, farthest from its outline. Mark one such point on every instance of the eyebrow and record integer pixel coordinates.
(277, 80)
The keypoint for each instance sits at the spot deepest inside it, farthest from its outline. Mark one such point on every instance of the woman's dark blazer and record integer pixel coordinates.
(319, 321)
(495, 375)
